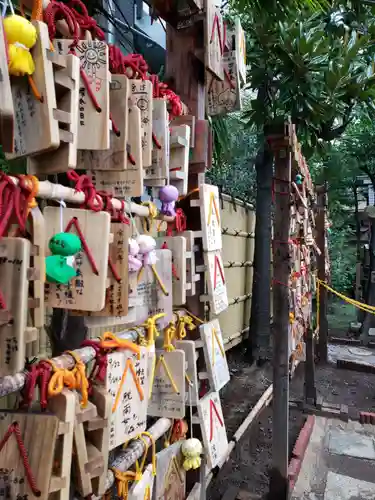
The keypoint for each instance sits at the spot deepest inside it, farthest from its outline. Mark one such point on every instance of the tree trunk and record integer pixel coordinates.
(369, 320)
(260, 328)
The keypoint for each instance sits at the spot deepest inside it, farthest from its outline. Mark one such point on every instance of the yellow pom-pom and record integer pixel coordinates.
(21, 36)
(20, 61)
(19, 30)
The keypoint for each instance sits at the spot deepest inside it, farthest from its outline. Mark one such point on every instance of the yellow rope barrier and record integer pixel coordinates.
(353, 302)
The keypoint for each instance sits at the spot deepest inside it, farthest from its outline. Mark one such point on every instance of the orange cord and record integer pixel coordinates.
(129, 364)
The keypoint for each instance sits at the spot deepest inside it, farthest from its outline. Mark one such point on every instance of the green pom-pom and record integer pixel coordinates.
(299, 179)
(58, 271)
(65, 244)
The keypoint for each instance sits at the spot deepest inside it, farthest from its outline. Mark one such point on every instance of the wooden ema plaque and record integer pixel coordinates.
(168, 389)
(38, 238)
(93, 125)
(210, 217)
(66, 78)
(179, 157)
(151, 298)
(36, 129)
(38, 434)
(6, 102)
(191, 276)
(128, 182)
(213, 39)
(240, 47)
(170, 480)
(216, 284)
(143, 489)
(63, 406)
(141, 96)
(213, 429)
(158, 173)
(116, 299)
(91, 438)
(36, 275)
(223, 96)
(188, 346)
(115, 158)
(91, 276)
(127, 384)
(14, 265)
(177, 245)
(214, 354)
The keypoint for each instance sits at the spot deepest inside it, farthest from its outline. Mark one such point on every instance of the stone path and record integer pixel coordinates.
(339, 462)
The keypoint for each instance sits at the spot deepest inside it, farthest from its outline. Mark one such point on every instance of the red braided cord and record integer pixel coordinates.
(120, 64)
(74, 222)
(100, 367)
(174, 270)
(38, 374)
(86, 22)
(15, 429)
(56, 11)
(115, 129)
(13, 203)
(83, 183)
(178, 224)
(155, 141)
(3, 304)
(90, 92)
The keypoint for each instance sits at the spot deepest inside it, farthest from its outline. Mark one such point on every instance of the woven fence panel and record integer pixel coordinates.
(238, 223)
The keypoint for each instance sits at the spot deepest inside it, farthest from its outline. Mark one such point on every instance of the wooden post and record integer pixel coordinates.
(320, 229)
(310, 390)
(279, 484)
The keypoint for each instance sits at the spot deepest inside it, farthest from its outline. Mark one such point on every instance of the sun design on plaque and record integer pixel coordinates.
(92, 55)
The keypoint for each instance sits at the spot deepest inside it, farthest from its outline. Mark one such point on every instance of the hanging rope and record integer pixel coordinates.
(14, 428)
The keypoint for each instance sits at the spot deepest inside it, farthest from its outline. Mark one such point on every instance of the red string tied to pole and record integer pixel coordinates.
(37, 375)
(56, 11)
(84, 20)
(83, 184)
(13, 204)
(100, 367)
(179, 223)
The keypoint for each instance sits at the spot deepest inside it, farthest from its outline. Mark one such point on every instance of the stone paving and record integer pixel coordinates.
(339, 463)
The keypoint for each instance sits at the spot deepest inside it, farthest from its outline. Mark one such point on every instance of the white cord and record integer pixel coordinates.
(191, 410)
(62, 206)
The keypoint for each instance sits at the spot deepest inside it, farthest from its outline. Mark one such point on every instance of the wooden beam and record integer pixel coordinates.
(320, 229)
(279, 484)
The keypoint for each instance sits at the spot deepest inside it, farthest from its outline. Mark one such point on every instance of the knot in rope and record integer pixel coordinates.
(37, 375)
(184, 322)
(123, 479)
(56, 11)
(151, 330)
(99, 369)
(110, 341)
(13, 203)
(85, 22)
(169, 335)
(81, 382)
(132, 65)
(117, 214)
(83, 184)
(178, 224)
